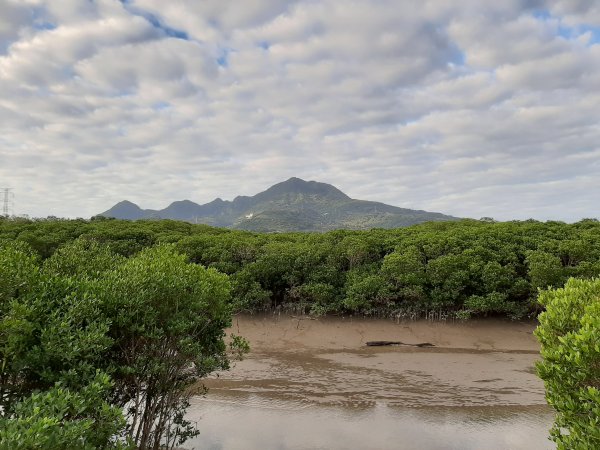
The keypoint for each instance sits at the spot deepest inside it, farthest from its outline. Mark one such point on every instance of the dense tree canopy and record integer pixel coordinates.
(467, 267)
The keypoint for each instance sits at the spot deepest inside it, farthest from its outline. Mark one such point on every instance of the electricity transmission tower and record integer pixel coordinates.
(7, 198)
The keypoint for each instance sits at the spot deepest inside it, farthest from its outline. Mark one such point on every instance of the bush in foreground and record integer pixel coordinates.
(569, 332)
(62, 419)
(102, 351)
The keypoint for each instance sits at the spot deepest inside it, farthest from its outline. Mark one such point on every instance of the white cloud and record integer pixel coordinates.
(463, 107)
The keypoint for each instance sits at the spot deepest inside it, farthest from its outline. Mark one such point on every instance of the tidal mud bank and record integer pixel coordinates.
(475, 381)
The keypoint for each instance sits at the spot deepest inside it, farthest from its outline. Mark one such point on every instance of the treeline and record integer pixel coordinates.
(459, 268)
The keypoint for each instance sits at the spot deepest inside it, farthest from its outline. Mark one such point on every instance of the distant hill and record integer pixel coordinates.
(293, 205)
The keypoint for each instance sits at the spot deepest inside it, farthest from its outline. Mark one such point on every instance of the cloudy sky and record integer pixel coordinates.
(467, 107)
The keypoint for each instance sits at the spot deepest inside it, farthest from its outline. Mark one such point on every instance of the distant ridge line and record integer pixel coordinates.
(291, 205)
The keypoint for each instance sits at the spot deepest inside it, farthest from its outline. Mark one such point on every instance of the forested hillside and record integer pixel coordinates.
(292, 205)
(461, 268)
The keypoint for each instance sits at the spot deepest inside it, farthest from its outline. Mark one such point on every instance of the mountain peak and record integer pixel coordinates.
(183, 203)
(294, 180)
(126, 204)
(296, 185)
(126, 210)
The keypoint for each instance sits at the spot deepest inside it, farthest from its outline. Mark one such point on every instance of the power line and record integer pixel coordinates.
(7, 195)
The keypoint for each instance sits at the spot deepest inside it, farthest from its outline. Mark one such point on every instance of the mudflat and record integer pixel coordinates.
(285, 332)
(326, 360)
(315, 384)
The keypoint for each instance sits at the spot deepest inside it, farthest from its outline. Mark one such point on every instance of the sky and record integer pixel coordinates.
(467, 107)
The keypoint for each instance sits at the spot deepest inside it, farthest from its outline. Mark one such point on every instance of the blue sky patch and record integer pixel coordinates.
(595, 32)
(42, 25)
(542, 14)
(223, 58)
(569, 32)
(161, 106)
(169, 31)
(155, 21)
(458, 57)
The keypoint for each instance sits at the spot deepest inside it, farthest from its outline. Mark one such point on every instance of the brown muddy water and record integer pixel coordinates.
(314, 384)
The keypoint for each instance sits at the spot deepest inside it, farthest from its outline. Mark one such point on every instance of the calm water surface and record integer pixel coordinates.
(315, 385)
(251, 423)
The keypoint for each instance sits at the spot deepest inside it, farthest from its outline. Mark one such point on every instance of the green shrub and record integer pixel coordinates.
(153, 322)
(61, 419)
(569, 332)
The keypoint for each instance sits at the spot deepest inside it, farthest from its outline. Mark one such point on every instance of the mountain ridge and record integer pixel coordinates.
(291, 205)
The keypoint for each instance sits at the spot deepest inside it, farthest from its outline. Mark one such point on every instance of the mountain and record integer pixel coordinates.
(127, 210)
(293, 205)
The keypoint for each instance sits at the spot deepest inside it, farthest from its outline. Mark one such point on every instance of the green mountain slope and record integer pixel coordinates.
(293, 205)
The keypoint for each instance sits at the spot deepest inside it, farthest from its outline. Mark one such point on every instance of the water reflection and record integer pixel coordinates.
(251, 423)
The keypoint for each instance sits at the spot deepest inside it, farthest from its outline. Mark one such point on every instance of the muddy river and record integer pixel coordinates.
(315, 384)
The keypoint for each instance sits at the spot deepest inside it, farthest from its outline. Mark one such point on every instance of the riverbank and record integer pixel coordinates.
(486, 362)
(287, 332)
(476, 382)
